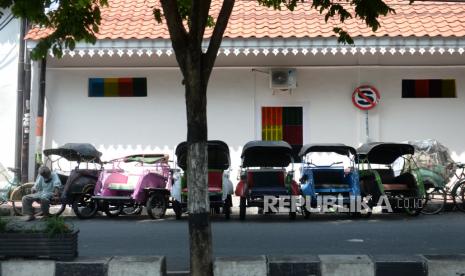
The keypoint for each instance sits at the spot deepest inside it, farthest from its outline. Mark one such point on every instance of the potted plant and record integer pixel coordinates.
(52, 239)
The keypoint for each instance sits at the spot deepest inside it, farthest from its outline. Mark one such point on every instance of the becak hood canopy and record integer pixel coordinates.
(383, 153)
(78, 152)
(266, 154)
(218, 155)
(336, 148)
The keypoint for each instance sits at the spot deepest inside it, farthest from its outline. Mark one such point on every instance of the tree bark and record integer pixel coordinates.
(196, 68)
(199, 220)
(197, 169)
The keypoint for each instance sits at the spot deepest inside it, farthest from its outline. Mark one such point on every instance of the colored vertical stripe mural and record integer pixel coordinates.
(117, 87)
(433, 88)
(272, 126)
(283, 123)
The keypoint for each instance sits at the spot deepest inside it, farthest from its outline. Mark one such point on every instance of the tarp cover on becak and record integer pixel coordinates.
(432, 155)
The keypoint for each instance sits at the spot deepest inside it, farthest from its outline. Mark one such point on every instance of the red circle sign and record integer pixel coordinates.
(365, 97)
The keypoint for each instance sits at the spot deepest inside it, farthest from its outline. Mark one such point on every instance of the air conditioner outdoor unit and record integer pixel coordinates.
(283, 78)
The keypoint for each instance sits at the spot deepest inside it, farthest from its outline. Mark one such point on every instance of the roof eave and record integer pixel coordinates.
(274, 46)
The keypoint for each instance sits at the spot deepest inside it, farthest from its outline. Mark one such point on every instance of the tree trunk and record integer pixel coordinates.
(197, 169)
(196, 68)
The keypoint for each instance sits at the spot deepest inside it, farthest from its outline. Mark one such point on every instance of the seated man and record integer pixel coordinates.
(47, 186)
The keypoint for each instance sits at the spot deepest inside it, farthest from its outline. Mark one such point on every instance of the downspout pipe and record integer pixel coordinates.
(26, 120)
(19, 99)
(40, 115)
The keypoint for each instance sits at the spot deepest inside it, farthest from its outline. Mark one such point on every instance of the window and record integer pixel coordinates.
(429, 88)
(283, 123)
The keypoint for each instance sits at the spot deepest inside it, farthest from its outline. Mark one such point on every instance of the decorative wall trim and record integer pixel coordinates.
(137, 52)
(274, 47)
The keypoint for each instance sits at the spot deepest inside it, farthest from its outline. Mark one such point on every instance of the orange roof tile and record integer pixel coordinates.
(134, 19)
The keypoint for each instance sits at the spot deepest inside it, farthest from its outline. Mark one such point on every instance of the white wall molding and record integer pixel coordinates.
(403, 51)
(274, 47)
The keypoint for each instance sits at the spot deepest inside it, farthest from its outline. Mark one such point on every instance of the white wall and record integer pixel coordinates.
(119, 126)
(8, 75)
(115, 125)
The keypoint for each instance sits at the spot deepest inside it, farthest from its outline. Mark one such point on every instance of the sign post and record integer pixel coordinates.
(367, 129)
(366, 97)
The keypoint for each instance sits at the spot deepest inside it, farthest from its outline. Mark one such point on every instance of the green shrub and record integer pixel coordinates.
(3, 224)
(56, 226)
(51, 226)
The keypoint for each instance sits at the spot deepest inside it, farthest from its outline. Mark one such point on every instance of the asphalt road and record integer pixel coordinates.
(275, 235)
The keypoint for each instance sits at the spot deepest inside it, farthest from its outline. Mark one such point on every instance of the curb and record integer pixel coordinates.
(446, 264)
(240, 266)
(294, 265)
(370, 265)
(289, 265)
(350, 265)
(87, 266)
(26, 268)
(386, 265)
(83, 266)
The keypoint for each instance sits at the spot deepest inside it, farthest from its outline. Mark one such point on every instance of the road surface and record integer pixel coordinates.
(275, 234)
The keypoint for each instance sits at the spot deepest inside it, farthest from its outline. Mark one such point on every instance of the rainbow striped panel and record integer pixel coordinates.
(283, 123)
(117, 87)
(429, 88)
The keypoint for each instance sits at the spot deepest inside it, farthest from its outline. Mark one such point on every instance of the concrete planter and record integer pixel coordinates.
(39, 245)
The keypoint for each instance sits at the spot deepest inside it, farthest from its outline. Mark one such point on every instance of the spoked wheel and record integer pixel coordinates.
(436, 198)
(413, 211)
(84, 206)
(133, 210)
(17, 196)
(177, 208)
(368, 199)
(227, 211)
(292, 215)
(355, 215)
(306, 212)
(227, 207)
(418, 204)
(113, 211)
(366, 214)
(459, 197)
(215, 210)
(18, 208)
(56, 208)
(462, 192)
(156, 206)
(242, 208)
(360, 214)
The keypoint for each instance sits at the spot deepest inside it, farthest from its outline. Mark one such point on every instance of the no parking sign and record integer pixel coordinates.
(365, 97)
